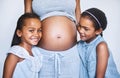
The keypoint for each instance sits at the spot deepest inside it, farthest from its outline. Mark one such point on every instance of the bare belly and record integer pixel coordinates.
(58, 33)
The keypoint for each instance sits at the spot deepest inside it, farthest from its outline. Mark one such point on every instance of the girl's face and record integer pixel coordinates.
(31, 32)
(86, 30)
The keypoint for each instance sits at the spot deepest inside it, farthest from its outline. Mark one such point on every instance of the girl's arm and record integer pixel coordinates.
(102, 59)
(77, 10)
(9, 65)
(28, 6)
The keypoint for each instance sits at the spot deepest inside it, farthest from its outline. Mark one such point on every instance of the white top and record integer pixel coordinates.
(30, 66)
(47, 8)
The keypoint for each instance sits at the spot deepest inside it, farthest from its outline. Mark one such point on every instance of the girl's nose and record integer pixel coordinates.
(36, 33)
(81, 30)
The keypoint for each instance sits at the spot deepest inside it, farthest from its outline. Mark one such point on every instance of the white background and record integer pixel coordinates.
(10, 10)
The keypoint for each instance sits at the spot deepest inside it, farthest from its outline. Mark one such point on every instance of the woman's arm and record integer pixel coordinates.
(102, 60)
(78, 10)
(28, 6)
(9, 65)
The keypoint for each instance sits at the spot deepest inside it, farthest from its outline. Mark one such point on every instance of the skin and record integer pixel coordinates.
(30, 35)
(28, 6)
(59, 32)
(78, 10)
(88, 33)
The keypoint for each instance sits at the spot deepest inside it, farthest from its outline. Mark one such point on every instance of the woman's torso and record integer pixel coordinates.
(58, 22)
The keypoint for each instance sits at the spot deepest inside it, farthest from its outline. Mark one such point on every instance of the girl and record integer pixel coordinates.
(21, 61)
(97, 60)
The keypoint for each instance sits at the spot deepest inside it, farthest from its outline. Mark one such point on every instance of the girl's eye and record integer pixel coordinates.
(86, 29)
(40, 30)
(31, 30)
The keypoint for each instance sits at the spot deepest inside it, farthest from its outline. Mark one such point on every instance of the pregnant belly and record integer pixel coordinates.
(58, 33)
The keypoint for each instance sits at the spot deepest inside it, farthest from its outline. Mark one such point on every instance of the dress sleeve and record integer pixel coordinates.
(18, 51)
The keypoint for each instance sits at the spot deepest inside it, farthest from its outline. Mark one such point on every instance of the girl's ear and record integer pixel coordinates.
(19, 33)
(99, 31)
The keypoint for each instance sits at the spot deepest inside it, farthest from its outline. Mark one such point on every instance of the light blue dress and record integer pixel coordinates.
(88, 56)
(47, 8)
(63, 64)
(30, 66)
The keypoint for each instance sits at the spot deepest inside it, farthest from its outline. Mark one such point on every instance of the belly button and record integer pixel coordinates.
(58, 36)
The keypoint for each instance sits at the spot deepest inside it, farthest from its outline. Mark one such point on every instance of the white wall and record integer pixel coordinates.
(10, 10)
